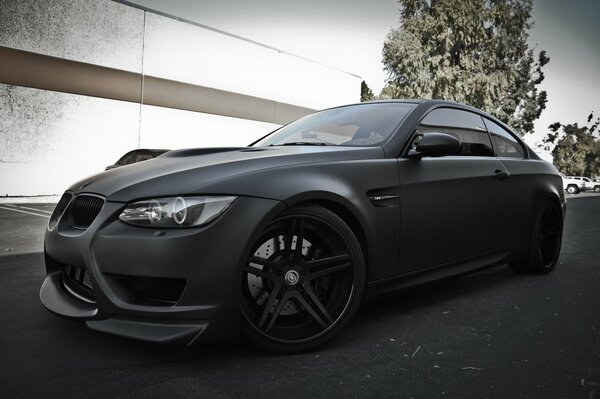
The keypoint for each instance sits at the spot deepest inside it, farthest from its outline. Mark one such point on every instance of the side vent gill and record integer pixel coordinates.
(384, 197)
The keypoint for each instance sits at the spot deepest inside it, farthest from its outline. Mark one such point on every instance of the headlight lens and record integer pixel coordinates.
(175, 211)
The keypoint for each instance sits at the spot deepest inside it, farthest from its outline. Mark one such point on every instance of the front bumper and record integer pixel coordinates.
(118, 259)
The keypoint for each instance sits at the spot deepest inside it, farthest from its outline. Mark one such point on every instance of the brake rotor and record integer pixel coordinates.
(260, 288)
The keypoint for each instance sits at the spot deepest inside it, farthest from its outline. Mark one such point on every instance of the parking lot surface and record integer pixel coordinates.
(493, 334)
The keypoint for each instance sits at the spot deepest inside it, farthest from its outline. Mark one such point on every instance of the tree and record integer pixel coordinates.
(576, 149)
(469, 51)
(365, 92)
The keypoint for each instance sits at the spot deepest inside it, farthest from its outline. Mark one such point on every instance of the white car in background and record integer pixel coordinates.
(593, 185)
(575, 184)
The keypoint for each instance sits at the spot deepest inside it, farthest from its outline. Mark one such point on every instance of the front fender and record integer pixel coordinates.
(346, 184)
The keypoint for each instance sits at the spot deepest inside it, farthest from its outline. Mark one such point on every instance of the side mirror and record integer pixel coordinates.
(435, 145)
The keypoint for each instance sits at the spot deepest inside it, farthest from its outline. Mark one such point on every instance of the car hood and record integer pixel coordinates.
(188, 171)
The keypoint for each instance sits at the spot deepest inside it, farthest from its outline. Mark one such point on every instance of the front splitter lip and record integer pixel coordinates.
(59, 302)
(184, 333)
(158, 331)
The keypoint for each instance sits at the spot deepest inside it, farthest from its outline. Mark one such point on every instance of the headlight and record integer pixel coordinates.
(175, 211)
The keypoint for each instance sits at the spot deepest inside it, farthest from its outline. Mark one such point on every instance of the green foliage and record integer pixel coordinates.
(576, 149)
(365, 92)
(469, 51)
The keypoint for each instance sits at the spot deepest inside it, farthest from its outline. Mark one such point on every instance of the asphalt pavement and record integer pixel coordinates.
(494, 334)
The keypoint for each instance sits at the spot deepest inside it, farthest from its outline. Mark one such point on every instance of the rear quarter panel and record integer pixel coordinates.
(533, 181)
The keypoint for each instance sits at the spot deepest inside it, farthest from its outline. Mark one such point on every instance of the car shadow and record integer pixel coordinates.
(421, 299)
(415, 298)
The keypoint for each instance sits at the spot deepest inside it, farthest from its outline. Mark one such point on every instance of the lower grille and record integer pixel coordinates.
(78, 282)
(83, 211)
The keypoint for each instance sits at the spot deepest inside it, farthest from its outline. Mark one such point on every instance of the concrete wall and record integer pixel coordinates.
(120, 78)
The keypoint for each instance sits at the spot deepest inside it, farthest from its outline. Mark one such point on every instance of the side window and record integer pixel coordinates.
(466, 126)
(505, 144)
(128, 158)
(144, 156)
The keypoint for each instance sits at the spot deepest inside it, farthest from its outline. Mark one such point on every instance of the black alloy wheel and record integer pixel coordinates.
(546, 241)
(303, 281)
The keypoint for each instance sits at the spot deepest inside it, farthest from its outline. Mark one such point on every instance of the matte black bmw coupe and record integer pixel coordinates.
(280, 241)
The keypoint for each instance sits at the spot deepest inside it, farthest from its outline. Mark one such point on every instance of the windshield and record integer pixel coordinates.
(355, 125)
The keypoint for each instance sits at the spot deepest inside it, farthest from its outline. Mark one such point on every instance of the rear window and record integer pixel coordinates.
(505, 144)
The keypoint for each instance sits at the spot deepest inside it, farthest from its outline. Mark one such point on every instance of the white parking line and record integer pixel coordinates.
(22, 211)
(31, 209)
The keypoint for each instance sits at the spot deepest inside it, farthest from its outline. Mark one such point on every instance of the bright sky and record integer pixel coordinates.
(570, 33)
(349, 35)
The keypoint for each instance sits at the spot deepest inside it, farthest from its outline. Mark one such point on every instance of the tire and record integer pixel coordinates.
(297, 297)
(546, 240)
(572, 189)
(597, 189)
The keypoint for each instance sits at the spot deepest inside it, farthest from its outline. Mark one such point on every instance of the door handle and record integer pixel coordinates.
(500, 174)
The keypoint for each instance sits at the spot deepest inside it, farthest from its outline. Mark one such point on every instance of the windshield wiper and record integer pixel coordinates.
(299, 143)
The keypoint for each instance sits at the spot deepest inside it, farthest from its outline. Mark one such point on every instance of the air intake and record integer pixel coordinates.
(60, 208)
(78, 283)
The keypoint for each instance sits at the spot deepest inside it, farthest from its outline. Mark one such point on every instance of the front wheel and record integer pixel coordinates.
(597, 189)
(572, 189)
(303, 281)
(545, 241)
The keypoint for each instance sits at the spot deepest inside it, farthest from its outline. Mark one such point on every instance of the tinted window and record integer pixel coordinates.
(128, 158)
(505, 144)
(144, 156)
(466, 126)
(356, 125)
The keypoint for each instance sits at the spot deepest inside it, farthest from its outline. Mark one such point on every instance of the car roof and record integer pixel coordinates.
(415, 101)
(427, 102)
(137, 150)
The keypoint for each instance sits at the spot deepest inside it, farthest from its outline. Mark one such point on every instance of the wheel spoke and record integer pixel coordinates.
(270, 302)
(330, 270)
(277, 310)
(309, 309)
(550, 232)
(313, 297)
(550, 246)
(263, 262)
(327, 261)
(259, 273)
(329, 265)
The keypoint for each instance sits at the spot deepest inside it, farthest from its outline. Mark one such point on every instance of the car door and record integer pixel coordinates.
(521, 191)
(448, 204)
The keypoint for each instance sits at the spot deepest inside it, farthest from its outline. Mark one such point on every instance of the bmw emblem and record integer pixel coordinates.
(85, 184)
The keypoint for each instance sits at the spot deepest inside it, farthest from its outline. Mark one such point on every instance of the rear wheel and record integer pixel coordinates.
(597, 189)
(303, 281)
(545, 241)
